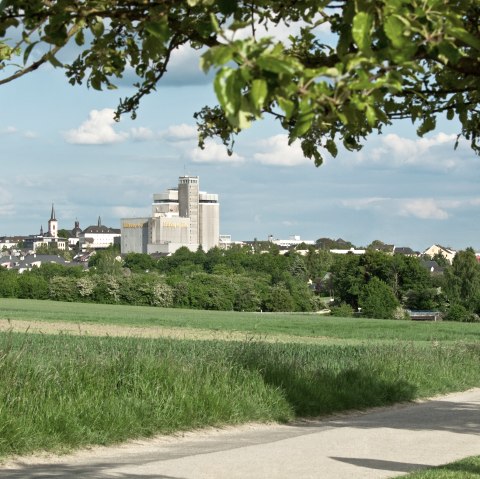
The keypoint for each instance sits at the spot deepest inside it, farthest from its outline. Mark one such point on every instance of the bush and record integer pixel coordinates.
(279, 299)
(377, 300)
(343, 310)
(8, 283)
(62, 288)
(31, 286)
(458, 312)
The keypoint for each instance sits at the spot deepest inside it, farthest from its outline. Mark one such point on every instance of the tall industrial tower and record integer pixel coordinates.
(188, 204)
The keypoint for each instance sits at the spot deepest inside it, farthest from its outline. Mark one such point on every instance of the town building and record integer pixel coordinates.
(293, 240)
(182, 216)
(50, 238)
(98, 237)
(447, 253)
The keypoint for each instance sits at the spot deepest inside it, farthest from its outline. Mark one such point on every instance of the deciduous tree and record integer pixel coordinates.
(382, 60)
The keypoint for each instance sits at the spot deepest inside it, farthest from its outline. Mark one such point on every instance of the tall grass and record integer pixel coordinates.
(65, 391)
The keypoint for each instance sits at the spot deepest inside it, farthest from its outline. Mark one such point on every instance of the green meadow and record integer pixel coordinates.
(61, 392)
(271, 324)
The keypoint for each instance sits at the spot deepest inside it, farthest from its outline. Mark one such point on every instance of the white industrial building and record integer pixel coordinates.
(182, 216)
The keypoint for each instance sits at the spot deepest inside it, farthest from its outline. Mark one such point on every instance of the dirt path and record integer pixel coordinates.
(86, 329)
(377, 444)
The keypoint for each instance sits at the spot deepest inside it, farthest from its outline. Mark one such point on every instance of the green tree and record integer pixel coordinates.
(385, 60)
(32, 286)
(64, 233)
(8, 283)
(106, 261)
(138, 262)
(279, 299)
(347, 279)
(62, 288)
(377, 300)
(462, 280)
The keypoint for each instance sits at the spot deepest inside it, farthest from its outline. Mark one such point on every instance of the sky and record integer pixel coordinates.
(59, 145)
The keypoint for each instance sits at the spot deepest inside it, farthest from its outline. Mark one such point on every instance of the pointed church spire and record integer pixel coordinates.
(41, 230)
(52, 216)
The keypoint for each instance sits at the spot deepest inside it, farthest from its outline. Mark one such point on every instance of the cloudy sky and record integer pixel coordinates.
(59, 144)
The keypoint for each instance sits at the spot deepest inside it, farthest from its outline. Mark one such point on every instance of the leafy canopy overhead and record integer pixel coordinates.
(383, 60)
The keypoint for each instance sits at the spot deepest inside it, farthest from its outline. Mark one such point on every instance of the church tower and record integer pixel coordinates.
(53, 224)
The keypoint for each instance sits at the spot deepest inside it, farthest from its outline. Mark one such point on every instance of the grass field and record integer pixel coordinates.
(468, 468)
(272, 324)
(59, 392)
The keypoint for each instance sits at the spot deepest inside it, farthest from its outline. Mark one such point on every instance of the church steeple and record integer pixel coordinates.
(99, 221)
(53, 224)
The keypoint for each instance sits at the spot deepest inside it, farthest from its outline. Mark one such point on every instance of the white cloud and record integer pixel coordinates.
(30, 134)
(280, 31)
(8, 130)
(423, 208)
(7, 207)
(97, 130)
(184, 68)
(434, 152)
(182, 132)
(365, 203)
(129, 212)
(214, 153)
(142, 134)
(277, 152)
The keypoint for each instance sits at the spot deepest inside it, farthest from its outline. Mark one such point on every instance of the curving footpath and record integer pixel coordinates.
(380, 443)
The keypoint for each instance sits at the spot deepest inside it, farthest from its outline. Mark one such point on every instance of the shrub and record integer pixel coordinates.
(86, 287)
(32, 286)
(279, 299)
(458, 312)
(62, 288)
(343, 310)
(377, 300)
(162, 295)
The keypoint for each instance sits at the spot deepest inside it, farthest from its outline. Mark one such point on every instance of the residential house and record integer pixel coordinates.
(447, 253)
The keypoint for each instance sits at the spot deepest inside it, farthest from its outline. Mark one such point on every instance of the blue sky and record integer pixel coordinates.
(59, 145)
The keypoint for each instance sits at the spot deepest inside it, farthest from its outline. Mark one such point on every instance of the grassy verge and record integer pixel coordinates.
(250, 323)
(62, 392)
(468, 468)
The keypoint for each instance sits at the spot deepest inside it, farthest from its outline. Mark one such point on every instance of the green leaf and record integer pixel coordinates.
(95, 83)
(303, 124)
(394, 28)
(286, 105)
(159, 30)
(466, 37)
(331, 147)
(450, 114)
(54, 61)
(361, 30)
(227, 91)
(80, 38)
(371, 115)
(27, 51)
(276, 64)
(258, 93)
(97, 27)
(428, 124)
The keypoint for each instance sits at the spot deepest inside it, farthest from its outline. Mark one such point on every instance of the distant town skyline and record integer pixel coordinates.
(59, 144)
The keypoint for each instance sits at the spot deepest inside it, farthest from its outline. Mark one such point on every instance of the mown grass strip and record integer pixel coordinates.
(468, 468)
(249, 323)
(63, 392)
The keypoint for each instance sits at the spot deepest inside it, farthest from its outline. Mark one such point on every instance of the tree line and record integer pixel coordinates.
(377, 284)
